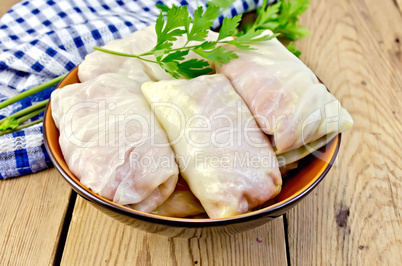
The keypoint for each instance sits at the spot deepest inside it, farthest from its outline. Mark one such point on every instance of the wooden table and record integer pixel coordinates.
(352, 218)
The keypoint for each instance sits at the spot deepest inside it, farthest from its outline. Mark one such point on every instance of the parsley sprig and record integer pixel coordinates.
(15, 121)
(283, 18)
(176, 22)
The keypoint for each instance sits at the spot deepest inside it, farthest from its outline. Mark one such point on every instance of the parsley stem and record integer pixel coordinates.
(147, 53)
(23, 119)
(21, 126)
(123, 54)
(174, 49)
(30, 115)
(29, 92)
(26, 110)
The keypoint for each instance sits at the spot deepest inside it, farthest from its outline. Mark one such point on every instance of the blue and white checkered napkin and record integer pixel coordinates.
(40, 40)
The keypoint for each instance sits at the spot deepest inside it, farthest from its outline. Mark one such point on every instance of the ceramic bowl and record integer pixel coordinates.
(297, 184)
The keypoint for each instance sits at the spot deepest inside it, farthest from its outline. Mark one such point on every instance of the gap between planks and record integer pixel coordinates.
(65, 228)
(286, 237)
(398, 4)
(69, 215)
(90, 228)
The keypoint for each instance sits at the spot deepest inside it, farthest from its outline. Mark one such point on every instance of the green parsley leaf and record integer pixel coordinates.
(171, 68)
(171, 62)
(207, 45)
(167, 30)
(218, 55)
(189, 69)
(222, 4)
(267, 13)
(175, 56)
(202, 23)
(229, 27)
(9, 123)
(282, 17)
(293, 49)
(242, 42)
(293, 31)
(163, 8)
(193, 68)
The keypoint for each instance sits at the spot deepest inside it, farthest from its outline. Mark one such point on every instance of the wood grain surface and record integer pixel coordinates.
(32, 211)
(5, 5)
(398, 4)
(352, 218)
(97, 239)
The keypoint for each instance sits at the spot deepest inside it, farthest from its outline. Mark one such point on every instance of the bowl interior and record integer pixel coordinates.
(296, 185)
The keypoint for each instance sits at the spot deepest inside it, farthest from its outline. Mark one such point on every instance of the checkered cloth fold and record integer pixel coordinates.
(40, 40)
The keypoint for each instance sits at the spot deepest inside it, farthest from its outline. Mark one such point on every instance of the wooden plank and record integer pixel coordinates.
(398, 4)
(354, 216)
(27, 204)
(6, 5)
(96, 239)
(32, 210)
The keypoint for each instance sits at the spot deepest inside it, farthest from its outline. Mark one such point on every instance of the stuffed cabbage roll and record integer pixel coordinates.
(285, 97)
(227, 161)
(139, 42)
(295, 155)
(107, 141)
(182, 203)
